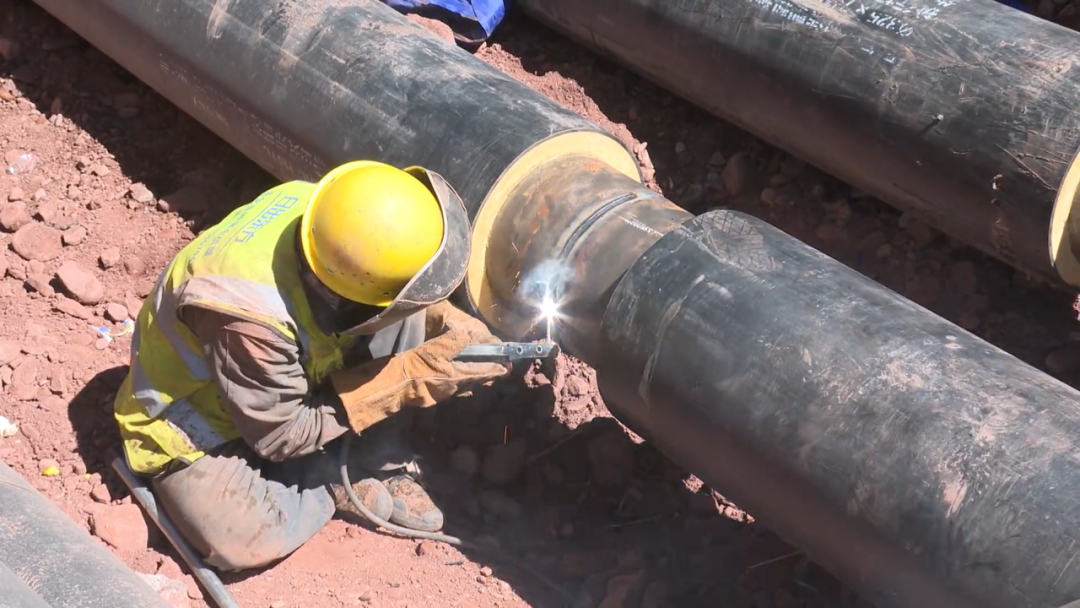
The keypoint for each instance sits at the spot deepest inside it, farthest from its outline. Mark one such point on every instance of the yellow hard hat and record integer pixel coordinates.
(368, 229)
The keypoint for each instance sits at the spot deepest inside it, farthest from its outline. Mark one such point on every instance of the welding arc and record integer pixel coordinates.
(921, 465)
(961, 113)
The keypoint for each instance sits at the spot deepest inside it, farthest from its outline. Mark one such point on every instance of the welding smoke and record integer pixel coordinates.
(546, 281)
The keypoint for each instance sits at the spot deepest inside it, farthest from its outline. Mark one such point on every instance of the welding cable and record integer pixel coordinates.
(343, 463)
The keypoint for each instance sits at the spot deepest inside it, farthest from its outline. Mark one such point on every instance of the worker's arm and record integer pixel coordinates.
(263, 387)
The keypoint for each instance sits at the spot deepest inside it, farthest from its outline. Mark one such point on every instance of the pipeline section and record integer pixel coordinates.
(14, 593)
(923, 466)
(961, 112)
(54, 561)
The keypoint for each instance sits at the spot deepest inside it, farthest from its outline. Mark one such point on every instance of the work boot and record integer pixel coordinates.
(413, 508)
(372, 493)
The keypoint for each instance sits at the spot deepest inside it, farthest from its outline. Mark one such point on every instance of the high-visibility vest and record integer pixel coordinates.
(168, 407)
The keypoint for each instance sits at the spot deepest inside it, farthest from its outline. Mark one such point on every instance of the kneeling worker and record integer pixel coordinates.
(314, 311)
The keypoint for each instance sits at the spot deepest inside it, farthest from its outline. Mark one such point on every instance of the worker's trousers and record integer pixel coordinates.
(240, 511)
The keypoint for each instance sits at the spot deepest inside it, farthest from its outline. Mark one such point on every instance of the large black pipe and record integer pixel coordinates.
(850, 419)
(14, 593)
(556, 203)
(962, 112)
(57, 562)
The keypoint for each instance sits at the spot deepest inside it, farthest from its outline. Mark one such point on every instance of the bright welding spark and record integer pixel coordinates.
(549, 309)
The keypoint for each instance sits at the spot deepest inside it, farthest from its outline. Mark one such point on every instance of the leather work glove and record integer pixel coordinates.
(419, 377)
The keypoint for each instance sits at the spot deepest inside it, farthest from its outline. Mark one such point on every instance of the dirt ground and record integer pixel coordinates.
(108, 181)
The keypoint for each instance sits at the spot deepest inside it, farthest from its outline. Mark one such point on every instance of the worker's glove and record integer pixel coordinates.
(419, 377)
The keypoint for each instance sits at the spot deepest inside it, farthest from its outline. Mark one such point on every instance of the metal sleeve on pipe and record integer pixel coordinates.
(63, 564)
(963, 112)
(920, 464)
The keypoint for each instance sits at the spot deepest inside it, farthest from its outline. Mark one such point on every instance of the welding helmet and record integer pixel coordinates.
(379, 243)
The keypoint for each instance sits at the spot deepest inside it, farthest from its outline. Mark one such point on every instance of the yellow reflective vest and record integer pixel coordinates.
(168, 406)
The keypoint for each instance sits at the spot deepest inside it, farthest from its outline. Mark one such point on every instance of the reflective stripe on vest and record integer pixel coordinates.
(245, 266)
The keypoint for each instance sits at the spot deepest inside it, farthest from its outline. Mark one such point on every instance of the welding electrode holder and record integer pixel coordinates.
(508, 352)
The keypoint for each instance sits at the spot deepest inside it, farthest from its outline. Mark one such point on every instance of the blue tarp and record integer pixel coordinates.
(471, 20)
(1017, 4)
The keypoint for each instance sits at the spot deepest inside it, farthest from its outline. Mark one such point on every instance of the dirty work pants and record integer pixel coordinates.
(240, 511)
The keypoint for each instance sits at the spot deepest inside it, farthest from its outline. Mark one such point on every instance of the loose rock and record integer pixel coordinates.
(75, 235)
(14, 216)
(101, 494)
(190, 199)
(37, 242)
(141, 194)
(9, 351)
(1064, 360)
(134, 266)
(47, 211)
(465, 460)
(576, 386)
(58, 384)
(736, 173)
(40, 284)
(9, 49)
(110, 257)
(504, 461)
(126, 100)
(133, 306)
(500, 505)
(116, 312)
(26, 374)
(173, 592)
(73, 308)
(121, 526)
(17, 270)
(81, 283)
(16, 195)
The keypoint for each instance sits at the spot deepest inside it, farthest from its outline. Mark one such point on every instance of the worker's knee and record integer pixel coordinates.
(237, 519)
(230, 551)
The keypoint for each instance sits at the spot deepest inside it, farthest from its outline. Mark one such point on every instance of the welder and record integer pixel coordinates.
(319, 309)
